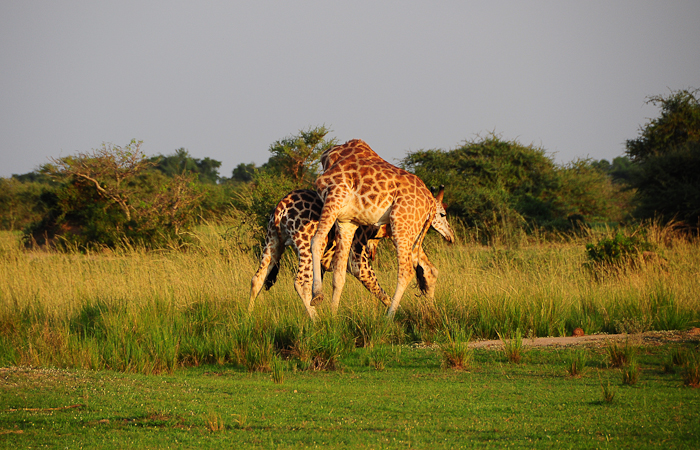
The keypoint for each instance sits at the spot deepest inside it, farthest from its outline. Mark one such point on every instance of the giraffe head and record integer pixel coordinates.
(440, 222)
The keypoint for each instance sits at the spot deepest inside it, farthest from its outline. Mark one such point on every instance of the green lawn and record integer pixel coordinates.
(412, 403)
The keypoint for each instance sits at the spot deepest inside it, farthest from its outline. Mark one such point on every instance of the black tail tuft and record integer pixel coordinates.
(420, 277)
(272, 277)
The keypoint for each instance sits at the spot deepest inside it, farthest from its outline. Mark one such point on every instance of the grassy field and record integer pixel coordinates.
(410, 403)
(153, 312)
(111, 320)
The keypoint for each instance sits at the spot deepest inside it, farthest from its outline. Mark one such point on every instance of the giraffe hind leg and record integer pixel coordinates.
(359, 266)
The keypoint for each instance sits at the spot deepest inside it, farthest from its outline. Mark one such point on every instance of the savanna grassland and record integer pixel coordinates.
(130, 348)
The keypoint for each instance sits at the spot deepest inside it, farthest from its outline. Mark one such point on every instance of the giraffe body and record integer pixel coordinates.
(359, 188)
(294, 222)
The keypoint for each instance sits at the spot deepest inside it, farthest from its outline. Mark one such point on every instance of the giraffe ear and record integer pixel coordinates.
(440, 193)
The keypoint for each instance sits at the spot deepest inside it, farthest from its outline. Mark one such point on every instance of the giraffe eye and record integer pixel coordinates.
(443, 214)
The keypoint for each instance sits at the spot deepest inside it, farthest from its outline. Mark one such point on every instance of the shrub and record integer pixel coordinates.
(513, 347)
(576, 363)
(618, 252)
(620, 355)
(454, 348)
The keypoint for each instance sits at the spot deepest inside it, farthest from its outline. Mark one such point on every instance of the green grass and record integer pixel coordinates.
(412, 403)
(160, 351)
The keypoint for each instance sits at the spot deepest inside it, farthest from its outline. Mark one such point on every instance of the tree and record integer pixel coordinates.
(109, 196)
(621, 171)
(19, 202)
(107, 169)
(243, 172)
(667, 159)
(182, 162)
(678, 125)
(298, 156)
(491, 182)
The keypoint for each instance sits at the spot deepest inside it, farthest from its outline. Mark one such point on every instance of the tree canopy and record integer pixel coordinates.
(667, 158)
(298, 156)
(495, 183)
(182, 162)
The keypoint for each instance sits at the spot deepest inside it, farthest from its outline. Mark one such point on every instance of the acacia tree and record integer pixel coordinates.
(667, 156)
(112, 195)
(108, 169)
(298, 156)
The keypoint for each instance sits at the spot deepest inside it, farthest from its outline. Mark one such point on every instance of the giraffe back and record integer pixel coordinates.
(374, 187)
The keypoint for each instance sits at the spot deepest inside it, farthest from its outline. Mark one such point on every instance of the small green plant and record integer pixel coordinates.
(690, 371)
(377, 357)
(454, 348)
(321, 345)
(630, 373)
(277, 370)
(576, 362)
(259, 354)
(370, 327)
(513, 346)
(240, 421)
(608, 392)
(214, 422)
(678, 356)
(620, 355)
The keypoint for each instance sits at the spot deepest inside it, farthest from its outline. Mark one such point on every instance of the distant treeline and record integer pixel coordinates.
(115, 195)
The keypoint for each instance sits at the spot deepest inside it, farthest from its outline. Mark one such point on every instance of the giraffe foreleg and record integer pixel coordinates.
(303, 281)
(405, 274)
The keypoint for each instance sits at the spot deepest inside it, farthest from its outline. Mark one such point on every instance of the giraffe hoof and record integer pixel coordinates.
(317, 300)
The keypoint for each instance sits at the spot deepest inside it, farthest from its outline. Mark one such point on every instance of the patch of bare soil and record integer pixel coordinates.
(599, 340)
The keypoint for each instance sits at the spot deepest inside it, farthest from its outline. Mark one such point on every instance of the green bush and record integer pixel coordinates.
(618, 251)
(110, 197)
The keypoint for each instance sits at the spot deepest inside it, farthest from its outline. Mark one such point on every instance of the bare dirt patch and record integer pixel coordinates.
(598, 340)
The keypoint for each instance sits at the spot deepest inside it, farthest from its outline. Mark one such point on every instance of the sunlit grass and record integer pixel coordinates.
(148, 312)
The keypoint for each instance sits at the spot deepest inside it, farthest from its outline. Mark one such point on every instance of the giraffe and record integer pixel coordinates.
(359, 188)
(294, 221)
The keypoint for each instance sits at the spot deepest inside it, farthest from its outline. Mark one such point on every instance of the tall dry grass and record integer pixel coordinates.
(129, 309)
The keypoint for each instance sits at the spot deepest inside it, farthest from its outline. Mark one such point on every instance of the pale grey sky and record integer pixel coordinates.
(226, 79)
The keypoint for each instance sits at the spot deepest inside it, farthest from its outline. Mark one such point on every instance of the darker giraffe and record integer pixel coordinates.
(293, 223)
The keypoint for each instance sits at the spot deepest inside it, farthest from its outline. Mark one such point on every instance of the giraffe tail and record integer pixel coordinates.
(420, 278)
(272, 276)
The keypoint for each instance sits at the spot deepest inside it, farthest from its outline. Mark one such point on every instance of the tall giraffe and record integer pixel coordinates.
(293, 223)
(359, 188)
